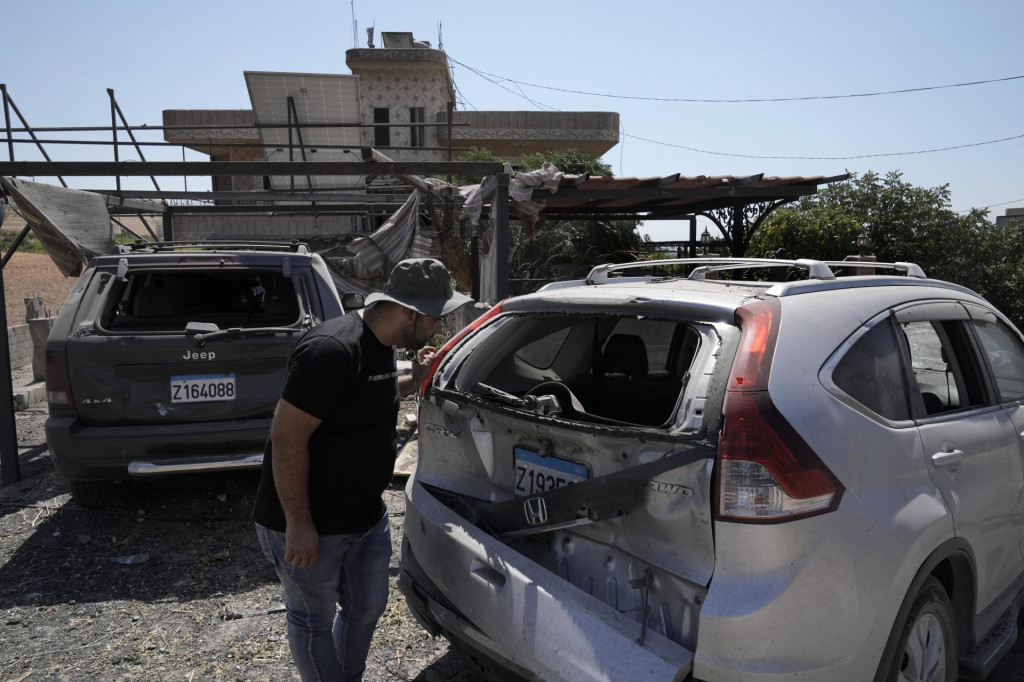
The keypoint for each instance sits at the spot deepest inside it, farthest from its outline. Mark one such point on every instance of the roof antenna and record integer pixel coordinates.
(355, 26)
(440, 40)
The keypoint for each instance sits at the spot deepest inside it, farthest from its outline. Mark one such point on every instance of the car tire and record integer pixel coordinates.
(927, 641)
(94, 494)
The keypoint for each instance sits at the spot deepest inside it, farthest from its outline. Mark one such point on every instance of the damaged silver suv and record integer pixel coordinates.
(688, 474)
(169, 358)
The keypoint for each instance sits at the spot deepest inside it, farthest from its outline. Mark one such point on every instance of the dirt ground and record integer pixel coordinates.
(169, 586)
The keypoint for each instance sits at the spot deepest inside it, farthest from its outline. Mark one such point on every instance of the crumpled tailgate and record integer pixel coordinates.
(545, 623)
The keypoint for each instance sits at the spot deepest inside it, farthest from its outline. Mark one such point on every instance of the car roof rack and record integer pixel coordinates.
(816, 269)
(210, 245)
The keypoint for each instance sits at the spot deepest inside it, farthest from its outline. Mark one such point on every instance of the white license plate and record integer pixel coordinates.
(535, 474)
(202, 388)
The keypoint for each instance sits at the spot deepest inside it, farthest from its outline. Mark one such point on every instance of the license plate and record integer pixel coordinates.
(535, 474)
(202, 388)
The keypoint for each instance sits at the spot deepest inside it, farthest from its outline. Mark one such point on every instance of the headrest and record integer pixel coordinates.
(281, 304)
(625, 354)
(155, 302)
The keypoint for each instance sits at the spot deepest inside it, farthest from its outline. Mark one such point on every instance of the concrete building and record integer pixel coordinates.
(1011, 214)
(398, 98)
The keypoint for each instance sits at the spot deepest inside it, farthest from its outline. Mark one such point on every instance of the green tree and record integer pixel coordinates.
(903, 223)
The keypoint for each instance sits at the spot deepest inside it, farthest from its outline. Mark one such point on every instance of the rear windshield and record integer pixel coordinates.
(170, 299)
(591, 368)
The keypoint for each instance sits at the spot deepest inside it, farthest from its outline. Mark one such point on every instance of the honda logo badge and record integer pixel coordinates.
(536, 511)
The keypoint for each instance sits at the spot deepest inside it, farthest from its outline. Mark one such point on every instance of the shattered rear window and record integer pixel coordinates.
(619, 370)
(170, 299)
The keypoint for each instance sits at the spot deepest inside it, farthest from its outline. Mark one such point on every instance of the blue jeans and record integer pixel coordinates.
(333, 607)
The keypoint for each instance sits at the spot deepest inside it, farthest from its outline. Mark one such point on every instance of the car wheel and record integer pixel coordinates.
(94, 494)
(927, 647)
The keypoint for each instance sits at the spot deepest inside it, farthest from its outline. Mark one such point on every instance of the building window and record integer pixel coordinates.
(381, 134)
(417, 133)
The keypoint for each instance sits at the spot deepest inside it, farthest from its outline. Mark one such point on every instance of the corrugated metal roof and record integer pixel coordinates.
(670, 196)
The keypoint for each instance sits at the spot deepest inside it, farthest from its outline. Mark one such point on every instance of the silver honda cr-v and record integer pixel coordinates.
(693, 475)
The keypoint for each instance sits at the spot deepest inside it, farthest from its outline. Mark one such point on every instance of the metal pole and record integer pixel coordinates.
(9, 466)
(451, 111)
(113, 127)
(290, 144)
(693, 236)
(16, 243)
(7, 123)
(292, 111)
(25, 128)
(500, 208)
(130, 134)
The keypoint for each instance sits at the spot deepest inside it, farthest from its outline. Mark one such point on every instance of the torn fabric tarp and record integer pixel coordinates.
(375, 254)
(72, 225)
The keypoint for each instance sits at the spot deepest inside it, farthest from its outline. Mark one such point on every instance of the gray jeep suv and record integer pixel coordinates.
(169, 358)
(686, 475)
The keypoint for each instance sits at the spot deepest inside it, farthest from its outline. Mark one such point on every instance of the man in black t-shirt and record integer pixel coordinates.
(319, 514)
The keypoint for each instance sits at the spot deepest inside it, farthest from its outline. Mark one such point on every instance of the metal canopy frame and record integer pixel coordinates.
(735, 205)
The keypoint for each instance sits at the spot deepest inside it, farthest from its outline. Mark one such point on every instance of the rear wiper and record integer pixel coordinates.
(236, 332)
(542, 404)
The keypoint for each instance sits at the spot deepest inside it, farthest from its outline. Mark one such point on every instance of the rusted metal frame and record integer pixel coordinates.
(117, 108)
(321, 209)
(206, 168)
(146, 223)
(10, 471)
(8, 101)
(130, 231)
(242, 145)
(7, 122)
(222, 126)
(669, 194)
(254, 197)
(113, 128)
(15, 244)
(501, 241)
(293, 112)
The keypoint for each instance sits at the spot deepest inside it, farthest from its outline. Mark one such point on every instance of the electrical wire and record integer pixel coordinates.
(982, 208)
(520, 93)
(829, 158)
(491, 78)
(745, 100)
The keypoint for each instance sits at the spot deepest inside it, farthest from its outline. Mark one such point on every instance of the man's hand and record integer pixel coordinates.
(421, 363)
(301, 545)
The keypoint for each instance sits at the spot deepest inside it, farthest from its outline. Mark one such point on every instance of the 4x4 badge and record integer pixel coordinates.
(536, 511)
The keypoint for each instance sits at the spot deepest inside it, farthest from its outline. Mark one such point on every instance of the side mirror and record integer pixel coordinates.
(352, 301)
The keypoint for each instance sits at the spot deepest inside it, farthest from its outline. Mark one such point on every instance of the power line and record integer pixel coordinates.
(1002, 203)
(491, 79)
(487, 77)
(828, 158)
(747, 100)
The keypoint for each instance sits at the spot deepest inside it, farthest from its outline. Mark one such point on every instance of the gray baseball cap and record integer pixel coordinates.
(423, 285)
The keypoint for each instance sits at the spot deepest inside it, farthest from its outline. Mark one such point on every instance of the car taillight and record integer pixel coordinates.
(436, 362)
(766, 471)
(58, 383)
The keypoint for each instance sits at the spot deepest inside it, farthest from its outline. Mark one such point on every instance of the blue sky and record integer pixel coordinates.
(57, 57)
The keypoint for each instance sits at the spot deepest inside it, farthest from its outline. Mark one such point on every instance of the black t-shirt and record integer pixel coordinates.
(340, 373)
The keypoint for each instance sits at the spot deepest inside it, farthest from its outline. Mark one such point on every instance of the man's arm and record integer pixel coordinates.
(289, 435)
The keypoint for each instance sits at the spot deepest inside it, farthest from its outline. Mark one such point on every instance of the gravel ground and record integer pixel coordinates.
(169, 586)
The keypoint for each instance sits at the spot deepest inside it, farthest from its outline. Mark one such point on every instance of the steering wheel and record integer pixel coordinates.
(569, 403)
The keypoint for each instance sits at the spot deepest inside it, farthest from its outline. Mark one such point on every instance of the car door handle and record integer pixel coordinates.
(943, 459)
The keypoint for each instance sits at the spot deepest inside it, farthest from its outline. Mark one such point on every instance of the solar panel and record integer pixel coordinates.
(318, 98)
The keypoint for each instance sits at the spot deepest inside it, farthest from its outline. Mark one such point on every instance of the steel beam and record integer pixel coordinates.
(208, 168)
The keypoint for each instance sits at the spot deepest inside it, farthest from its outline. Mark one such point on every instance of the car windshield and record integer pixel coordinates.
(170, 299)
